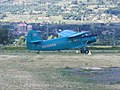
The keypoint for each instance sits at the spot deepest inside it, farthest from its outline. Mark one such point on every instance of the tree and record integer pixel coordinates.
(4, 39)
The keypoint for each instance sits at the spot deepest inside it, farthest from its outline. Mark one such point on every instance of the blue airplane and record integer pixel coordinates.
(68, 40)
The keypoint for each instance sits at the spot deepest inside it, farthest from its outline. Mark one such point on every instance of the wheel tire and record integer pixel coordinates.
(82, 51)
(86, 51)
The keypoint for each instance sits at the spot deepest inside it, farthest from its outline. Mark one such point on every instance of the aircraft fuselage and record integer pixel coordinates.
(63, 43)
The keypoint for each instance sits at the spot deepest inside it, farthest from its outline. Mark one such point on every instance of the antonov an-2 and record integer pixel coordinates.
(68, 40)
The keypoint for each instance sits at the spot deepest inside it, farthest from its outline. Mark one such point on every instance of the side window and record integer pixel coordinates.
(85, 35)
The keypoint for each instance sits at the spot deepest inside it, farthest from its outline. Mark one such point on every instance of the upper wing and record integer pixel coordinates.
(78, 34)
(66, 33)
(71, 34)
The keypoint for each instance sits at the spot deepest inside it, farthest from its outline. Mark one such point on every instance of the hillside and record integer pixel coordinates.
(81, 10)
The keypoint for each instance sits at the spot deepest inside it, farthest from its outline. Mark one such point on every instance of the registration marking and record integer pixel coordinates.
(49, 45)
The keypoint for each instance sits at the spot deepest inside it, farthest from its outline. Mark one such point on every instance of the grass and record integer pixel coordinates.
(20, 69)
(90, 47)
(12, 47)
(47, 71)
(93, 49)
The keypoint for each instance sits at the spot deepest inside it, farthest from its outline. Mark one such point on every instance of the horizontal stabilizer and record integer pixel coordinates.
(36, 41)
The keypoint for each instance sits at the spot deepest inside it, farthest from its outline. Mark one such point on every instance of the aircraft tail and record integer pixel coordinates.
(32, 38)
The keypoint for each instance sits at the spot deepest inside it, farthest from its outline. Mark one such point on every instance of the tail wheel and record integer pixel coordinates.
(38, 52)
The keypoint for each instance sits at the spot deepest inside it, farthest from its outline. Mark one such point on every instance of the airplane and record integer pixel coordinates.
(68, 40)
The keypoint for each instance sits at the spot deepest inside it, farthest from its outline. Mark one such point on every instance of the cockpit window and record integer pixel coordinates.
(85, 35)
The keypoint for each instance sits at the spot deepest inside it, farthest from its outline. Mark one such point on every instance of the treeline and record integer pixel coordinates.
(107, 34)
(4, 38)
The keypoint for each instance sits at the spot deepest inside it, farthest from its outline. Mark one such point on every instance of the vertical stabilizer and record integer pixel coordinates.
(32, 36)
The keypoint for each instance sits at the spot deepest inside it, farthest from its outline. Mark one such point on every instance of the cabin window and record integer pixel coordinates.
(86, 35)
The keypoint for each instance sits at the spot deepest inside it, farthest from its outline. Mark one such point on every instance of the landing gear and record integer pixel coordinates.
(84, 50)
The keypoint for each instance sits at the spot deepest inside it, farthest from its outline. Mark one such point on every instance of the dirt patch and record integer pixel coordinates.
(109, 75)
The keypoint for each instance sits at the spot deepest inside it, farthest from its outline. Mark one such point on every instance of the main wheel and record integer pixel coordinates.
(86, 51)
(82, 51)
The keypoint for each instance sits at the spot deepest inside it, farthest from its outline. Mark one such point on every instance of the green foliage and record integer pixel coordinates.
(4, 39)
(104, 47)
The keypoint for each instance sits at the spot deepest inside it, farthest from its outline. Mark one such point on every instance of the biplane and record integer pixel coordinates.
(68, 40)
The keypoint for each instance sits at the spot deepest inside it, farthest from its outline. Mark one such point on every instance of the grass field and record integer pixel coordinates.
(46, 71)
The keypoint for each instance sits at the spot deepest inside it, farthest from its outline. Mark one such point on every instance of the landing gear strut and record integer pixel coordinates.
(84, 50)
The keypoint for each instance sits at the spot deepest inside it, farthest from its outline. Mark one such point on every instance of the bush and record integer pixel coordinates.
(104, 47)
(13, 48)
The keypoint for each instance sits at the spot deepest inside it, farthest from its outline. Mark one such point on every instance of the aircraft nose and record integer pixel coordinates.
(93, 39)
